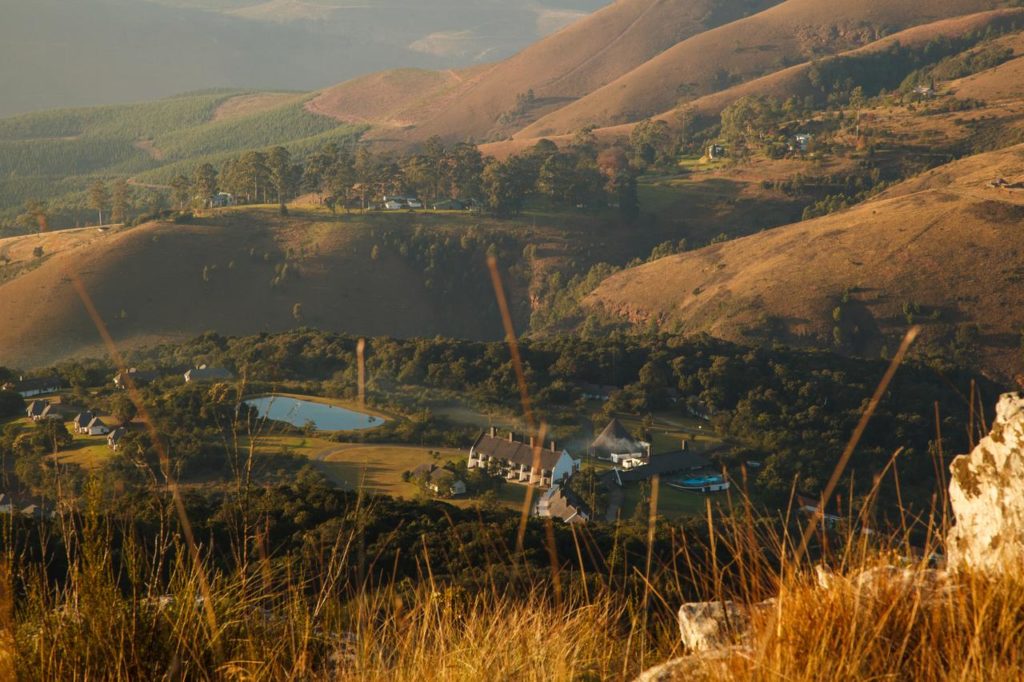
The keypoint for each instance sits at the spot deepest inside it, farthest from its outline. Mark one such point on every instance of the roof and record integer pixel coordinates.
(136, 375)
(36, 407)
(515, 451)
(96, 422)
(423, 470)
(563, 503)
(39, 384)
(201, 373)
(668, 463)
(442, 476)
(117, 434)
(616, 438)
(83, 418)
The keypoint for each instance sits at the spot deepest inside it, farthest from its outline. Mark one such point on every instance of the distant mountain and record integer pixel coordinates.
(58, 54)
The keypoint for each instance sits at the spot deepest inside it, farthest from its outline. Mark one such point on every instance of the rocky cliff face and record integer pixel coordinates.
(987, 494)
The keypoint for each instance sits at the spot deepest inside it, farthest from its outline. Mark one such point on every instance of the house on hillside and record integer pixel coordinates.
(716, 151)
(97, 427)
(53, 411)
(397, 202)
(439, 481)
(37, 512)
(39, 386)
(35, 409)
(115, 437)
(617, 444)
(801, 143)
(519, 462)
(560, 502)
(449, 205)
(138, 378)
(81, 422)
(204, 373)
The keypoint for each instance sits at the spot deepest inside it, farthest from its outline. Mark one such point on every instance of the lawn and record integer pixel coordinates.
(672, 503)
(378, 468)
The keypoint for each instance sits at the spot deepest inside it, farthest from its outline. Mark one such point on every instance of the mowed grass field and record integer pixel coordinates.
(379, 468)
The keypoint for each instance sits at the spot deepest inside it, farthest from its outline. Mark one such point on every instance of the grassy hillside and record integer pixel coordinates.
(49, 154)
(569, 64)
(791, 32)
(942, 250)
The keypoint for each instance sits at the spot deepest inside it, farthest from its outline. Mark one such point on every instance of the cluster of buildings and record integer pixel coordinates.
(529, 462)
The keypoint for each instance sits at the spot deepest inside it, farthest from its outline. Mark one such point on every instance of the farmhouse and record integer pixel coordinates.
(618, 444)
(204, 373)
(114, 438)
(559, 502)
(81, 421)
(439, 481)
(32, 387)
(35, 409)
(138, 378)
(519, 462)
(53, 411)
(96, 427)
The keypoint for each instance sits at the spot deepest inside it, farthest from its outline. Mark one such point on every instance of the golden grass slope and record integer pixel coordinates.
(568, 64)
(945, 242)
(713, 60)
(1002, 83)
(163, 281)
(395, 98)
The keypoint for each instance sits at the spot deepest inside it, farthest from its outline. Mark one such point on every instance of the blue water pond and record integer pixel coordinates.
(298, 412)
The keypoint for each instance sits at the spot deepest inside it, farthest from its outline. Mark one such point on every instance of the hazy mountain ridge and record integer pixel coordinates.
(94, 52)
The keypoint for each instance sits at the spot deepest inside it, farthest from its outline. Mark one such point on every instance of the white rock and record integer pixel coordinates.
(987, 494)
(709, 625)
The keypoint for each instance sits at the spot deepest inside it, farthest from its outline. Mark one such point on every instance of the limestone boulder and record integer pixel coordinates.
(987, 494)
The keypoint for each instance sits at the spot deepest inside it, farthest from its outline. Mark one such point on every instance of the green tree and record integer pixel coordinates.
(650, 141)
(555, 179)
(34, 217)
(120, 200)
(204, 184)
(123, 409)
(99, 198)
(254, 174)
(279, 161)
(504, 187)
(181, 189)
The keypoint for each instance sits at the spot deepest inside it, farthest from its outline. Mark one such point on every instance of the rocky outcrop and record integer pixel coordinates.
(987, 494)
(709, 625)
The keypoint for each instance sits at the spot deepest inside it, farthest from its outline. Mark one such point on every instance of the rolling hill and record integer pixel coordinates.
(943, 249)
(237, 273)
(569, 64)
(791, 32)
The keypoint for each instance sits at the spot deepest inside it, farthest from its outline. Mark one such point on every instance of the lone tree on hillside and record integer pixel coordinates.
(280, 163)
(34, 215)
(180, 191)
(204, 184)
(119, 201)
(99, 197)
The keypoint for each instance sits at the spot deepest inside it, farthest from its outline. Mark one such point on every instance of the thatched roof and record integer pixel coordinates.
(615, 439)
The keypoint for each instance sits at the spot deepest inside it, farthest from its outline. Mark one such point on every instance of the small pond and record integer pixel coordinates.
(298, 412)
